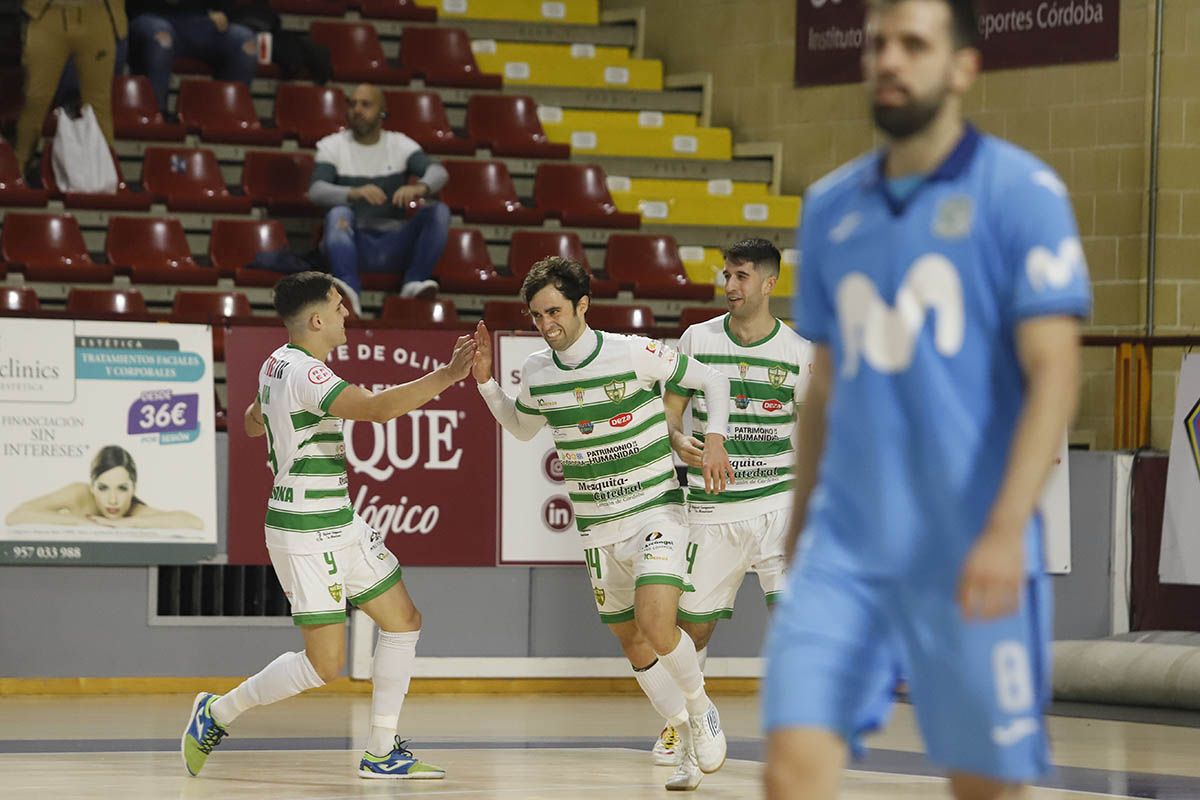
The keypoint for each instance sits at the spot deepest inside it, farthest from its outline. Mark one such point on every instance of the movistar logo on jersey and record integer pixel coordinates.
(1049, 270)
(885, 336)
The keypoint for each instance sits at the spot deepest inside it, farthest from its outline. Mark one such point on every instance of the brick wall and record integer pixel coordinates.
(1091, 122)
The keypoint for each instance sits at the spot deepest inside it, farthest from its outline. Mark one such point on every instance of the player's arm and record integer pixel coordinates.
(59, 507)
(690, 450)
(809, 442)
(356, 403)
(1049, 352)
(252, 420)
(143, 516)
(665, 364)
(520, 423)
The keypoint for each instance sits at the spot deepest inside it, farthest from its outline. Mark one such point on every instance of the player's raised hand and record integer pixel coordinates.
(482, 368)
(462, 358)
(990, 585)
(718, 473)
(689, 449)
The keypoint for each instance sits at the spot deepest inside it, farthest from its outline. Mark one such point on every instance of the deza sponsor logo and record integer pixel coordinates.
(621, 420)
(431, 444)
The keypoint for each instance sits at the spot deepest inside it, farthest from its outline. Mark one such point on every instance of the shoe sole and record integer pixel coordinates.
(683, 788)
(419, 776)
(714, 769)
(183, 739)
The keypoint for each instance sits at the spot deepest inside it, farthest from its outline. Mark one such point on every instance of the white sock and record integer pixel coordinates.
(685, 669)
(702, 657)
(288, 675)
(390, 673)
(663, 693)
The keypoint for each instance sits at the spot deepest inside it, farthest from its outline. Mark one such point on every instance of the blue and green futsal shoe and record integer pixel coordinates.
(201, 735)
(400, 764)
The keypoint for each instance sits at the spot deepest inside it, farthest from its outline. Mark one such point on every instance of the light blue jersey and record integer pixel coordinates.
(919, 300)
(919, 304)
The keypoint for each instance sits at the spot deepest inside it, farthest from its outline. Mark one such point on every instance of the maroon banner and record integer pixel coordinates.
(1012, 33)
(427, 480)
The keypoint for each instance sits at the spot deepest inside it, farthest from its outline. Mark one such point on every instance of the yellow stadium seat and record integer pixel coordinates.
(708, 143)
(567, 65)
(573, 119)
(703, 265)
(671, 187)
(572, 12)
(765, 212)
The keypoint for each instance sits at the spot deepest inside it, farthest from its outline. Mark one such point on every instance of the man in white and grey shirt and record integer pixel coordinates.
(362, 175)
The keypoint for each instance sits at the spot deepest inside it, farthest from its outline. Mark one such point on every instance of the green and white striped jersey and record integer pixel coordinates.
(606, 416)
(309, 509)
(766, 380)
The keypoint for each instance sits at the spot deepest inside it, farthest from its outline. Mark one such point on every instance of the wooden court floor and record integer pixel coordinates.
(505, 747)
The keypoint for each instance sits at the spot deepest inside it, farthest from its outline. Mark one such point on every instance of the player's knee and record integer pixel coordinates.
(699, 633)
(329, 665)
(662, 637)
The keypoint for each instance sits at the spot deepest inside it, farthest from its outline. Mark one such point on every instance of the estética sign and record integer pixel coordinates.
(1012, 33)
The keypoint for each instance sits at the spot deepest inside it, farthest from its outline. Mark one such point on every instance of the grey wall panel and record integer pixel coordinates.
(743, 635)
(563, 618)
(1082, 599)
(471, 611)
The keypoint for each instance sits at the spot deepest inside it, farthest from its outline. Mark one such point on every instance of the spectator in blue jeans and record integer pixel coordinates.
(160, 30)
(362, 176)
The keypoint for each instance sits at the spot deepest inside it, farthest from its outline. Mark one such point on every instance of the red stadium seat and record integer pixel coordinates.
(483, 191)
(13, 189)
(235, 242)
(508, 125)
(18, 300)
(108, 303)
(154, 251)
(443, 57)
(421, 116)
(280, 182)
(694, 315)
(223, 111)
(124, 199)
(308, 113)
(466, 267)
(578, 195)
(506, 315)
(529, 247)
(311, 8)
(419, 314)
(407, 10)
(136, 114)
(650, 265)
(621, 319)
(356, 53)
(49, 247)
(189, 180)
(210, 308)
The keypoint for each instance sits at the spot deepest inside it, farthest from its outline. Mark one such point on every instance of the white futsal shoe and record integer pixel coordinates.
(708, 740)
(687, 775)
(666, 750)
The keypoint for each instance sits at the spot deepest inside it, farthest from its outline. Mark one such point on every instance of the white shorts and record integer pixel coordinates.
(720, 555)
(318, 585)
(655, 552)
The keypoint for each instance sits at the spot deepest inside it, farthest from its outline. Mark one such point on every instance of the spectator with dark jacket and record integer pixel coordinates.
(56, 30)
(160, 30)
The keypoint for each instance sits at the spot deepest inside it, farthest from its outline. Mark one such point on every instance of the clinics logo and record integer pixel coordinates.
(558, 514)
(552, 466)
(885, 336)
(1191, 424)
(615, 390)
(1049, 270)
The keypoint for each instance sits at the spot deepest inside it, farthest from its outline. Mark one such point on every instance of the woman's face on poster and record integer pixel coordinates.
(113, 491)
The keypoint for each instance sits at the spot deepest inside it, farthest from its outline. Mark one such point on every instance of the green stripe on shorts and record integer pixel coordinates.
(616, 616)
(379, 588)
(319, 618)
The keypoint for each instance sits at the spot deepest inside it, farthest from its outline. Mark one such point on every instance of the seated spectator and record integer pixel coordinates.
(160, 30)
(362, 176)
(86, 31)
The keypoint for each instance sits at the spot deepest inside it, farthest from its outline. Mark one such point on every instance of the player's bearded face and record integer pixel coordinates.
(900, 121)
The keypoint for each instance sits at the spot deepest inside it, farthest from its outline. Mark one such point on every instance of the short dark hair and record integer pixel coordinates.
(964, 24)
(759, 252)
(110, 457)
(569, 277)
(295, 292)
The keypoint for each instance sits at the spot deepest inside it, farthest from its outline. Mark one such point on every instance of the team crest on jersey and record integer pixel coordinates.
(742, 402)
(743, 368)
(953, 220)
(1192, 423)
(615, 391)
(599, 596)
(586, 427)
(335, 591)
(777, 375)
(579, 395)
